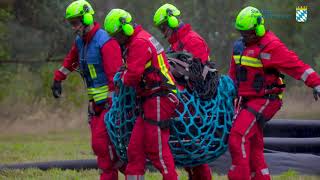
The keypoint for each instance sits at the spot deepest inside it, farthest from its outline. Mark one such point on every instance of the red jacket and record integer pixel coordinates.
(111, 57)
(142, 51)
(275, 55)
(184, 38)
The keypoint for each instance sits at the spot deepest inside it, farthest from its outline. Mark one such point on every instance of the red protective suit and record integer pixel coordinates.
(112, 61)
(255, 70)
(148, 140)
(185, 39)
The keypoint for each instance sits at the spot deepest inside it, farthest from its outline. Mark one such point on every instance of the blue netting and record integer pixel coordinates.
(199, 132)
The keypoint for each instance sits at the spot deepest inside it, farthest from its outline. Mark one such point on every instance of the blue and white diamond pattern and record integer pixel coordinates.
(301, 15)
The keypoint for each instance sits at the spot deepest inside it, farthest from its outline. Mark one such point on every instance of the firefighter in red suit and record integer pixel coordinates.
(258, 59)
(182, 38)
(98, 57)
(147, 71)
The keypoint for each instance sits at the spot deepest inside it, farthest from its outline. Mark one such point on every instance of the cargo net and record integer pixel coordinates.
(199, 132)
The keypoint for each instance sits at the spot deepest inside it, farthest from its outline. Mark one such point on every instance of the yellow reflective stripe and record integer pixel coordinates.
(148, 64)
(98, 90)
(281, 80)
(99, 93)
(281, 94)
(164, 70)
(92, 70)
(99, 97)
(248, 61)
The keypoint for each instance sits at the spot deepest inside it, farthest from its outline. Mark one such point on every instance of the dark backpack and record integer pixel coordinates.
(202, 79)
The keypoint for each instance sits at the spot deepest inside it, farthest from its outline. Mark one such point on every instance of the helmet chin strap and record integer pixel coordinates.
(83, 30)
(167, 33)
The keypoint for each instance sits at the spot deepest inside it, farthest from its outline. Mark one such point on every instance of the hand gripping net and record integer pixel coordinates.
(199, 133)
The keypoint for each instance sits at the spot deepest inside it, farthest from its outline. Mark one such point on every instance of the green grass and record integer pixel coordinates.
(70, 145)
(45, 147)
(57, 174)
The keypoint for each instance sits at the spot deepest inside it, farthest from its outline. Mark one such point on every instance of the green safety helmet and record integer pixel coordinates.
(117, 20)
(169, 13)
(80, 8)
(250, 18)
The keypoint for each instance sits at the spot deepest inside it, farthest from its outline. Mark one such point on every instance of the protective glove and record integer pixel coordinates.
(316, 93)
(56, 89)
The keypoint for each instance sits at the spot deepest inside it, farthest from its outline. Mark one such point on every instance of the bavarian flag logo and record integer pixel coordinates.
(301, 14)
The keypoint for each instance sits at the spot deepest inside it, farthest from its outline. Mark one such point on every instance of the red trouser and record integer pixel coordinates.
(103, 148)
(149, 141)
(201, 172)
(246, 141)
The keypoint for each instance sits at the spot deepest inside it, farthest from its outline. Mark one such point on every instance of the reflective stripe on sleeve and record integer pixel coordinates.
(64, 70)
(306, 74)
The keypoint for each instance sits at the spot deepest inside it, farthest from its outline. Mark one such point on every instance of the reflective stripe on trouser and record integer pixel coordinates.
(103, 149)
(246, 140)
(150, 141)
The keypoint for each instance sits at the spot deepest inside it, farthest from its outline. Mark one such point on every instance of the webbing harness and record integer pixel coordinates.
(162, 88)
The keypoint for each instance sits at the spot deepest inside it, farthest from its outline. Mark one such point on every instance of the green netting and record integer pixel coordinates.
(199, 132)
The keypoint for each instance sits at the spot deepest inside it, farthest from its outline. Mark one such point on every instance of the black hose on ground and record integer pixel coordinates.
(273, 145)
(293, 145)
(70, 164)
(292, 128)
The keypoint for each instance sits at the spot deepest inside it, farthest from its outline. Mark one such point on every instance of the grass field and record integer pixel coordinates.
(21, 148)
